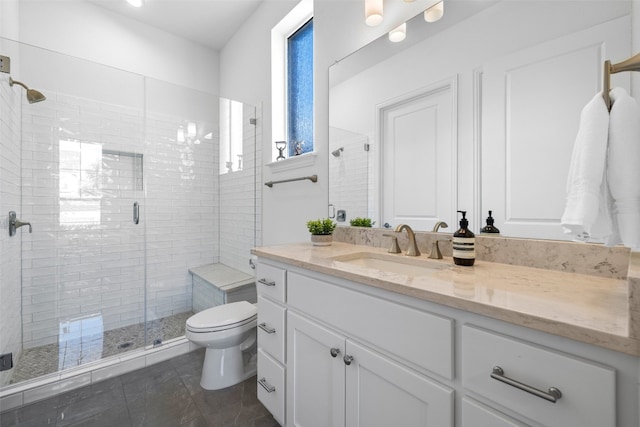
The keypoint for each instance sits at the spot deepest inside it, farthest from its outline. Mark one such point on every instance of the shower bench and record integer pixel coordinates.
(216, 284)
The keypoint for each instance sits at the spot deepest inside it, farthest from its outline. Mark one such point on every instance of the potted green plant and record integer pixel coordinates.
(321, 231)
(361, 222)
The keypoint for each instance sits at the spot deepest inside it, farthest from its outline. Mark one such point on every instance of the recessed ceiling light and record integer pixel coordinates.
(135, 3)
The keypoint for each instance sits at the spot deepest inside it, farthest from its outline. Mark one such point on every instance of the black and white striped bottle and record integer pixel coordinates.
(464, 243)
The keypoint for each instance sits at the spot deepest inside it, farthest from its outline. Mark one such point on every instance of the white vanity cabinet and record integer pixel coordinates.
(358, 360)
(357, 355)
(271, 282)
(335, 381)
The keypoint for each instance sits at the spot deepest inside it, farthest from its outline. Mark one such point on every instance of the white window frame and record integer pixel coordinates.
(295, 19)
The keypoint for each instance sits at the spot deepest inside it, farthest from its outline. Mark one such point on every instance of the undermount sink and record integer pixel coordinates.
(399, 264)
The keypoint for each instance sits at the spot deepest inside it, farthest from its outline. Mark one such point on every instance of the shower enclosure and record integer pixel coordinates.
(120, 177)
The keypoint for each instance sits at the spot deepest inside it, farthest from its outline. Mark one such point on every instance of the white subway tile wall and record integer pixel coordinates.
(181, 210)
(11, 324)
(349, 174)
(85, 165)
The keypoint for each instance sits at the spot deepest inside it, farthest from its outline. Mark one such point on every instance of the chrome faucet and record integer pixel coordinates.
(435, 248)
(413, 247)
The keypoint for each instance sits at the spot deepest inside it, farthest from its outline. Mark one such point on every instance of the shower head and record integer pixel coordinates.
(33, 95)
(336, 153)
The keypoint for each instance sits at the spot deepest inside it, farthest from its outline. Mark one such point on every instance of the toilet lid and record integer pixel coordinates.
(224, 315)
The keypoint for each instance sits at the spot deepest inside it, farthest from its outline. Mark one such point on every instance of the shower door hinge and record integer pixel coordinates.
(253, 121)
(6, 361)
(5, 64)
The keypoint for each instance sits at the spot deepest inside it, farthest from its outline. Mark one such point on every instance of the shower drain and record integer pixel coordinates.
(125, 345)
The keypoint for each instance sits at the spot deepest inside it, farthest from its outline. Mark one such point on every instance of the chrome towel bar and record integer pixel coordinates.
(312, 178)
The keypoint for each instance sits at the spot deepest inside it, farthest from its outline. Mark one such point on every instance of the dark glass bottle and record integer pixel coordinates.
(464, 243)
(489, 228)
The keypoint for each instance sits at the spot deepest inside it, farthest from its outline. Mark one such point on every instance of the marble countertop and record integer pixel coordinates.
(582, 307)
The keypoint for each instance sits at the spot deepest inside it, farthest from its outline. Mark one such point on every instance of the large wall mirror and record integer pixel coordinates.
(475, 112)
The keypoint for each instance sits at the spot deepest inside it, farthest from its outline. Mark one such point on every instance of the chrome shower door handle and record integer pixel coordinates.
(136, 213)
(15, 223)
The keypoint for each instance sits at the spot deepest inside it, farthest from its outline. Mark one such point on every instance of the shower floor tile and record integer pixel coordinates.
(69, 353)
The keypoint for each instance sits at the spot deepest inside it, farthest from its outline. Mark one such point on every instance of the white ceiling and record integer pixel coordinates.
(208, 22)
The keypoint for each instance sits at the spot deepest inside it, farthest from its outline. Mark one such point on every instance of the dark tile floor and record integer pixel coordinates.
(167, 394)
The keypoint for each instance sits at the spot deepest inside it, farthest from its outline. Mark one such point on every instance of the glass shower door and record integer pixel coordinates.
(82, 173)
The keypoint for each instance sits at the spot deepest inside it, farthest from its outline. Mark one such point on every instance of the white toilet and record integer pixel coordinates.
(227, 331)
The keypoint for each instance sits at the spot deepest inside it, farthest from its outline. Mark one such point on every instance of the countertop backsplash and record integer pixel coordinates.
(572, 257)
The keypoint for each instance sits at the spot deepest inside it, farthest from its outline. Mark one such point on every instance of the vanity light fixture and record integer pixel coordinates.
(399, 33)
(135, 3)
(372, 12)
(434, 13)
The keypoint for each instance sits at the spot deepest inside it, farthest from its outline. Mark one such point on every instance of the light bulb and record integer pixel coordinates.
(372, 12)
(435, 12)
(399, 33)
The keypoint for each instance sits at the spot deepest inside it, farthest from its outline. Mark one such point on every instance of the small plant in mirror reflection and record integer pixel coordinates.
(361, 222)
(321, 226)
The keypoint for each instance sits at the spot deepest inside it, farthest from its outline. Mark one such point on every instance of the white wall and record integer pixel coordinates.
(245, 65)
(635, 45)
(81, 29)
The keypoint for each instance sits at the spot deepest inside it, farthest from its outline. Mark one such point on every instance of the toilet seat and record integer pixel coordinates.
(223, 317)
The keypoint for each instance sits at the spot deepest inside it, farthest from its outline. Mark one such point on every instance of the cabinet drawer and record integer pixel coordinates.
(270, 385)
(271, 281)
(271, 328)
(588, 390)
(475, 414)
(414, 336)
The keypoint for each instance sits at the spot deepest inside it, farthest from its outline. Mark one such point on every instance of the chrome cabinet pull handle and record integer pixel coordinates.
(266, 282)
(335, 352)
(263, 382)
(552, 395)
(267, 329)
(347, 359)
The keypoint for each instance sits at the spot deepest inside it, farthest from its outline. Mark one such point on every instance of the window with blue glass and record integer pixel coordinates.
(300, 90)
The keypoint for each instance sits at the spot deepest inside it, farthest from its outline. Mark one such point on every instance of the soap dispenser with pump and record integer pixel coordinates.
(464, 243)
(490, 228)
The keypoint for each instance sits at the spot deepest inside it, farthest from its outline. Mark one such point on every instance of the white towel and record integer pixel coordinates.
(586, 215)
(623, 169)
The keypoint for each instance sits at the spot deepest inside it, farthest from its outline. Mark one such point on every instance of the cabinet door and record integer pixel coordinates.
(315, 378)
(381, 392)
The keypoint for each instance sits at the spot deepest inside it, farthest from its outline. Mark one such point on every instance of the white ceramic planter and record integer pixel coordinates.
(321, 239)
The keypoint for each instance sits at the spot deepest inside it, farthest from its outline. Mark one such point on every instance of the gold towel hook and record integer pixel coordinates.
(631, 64)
